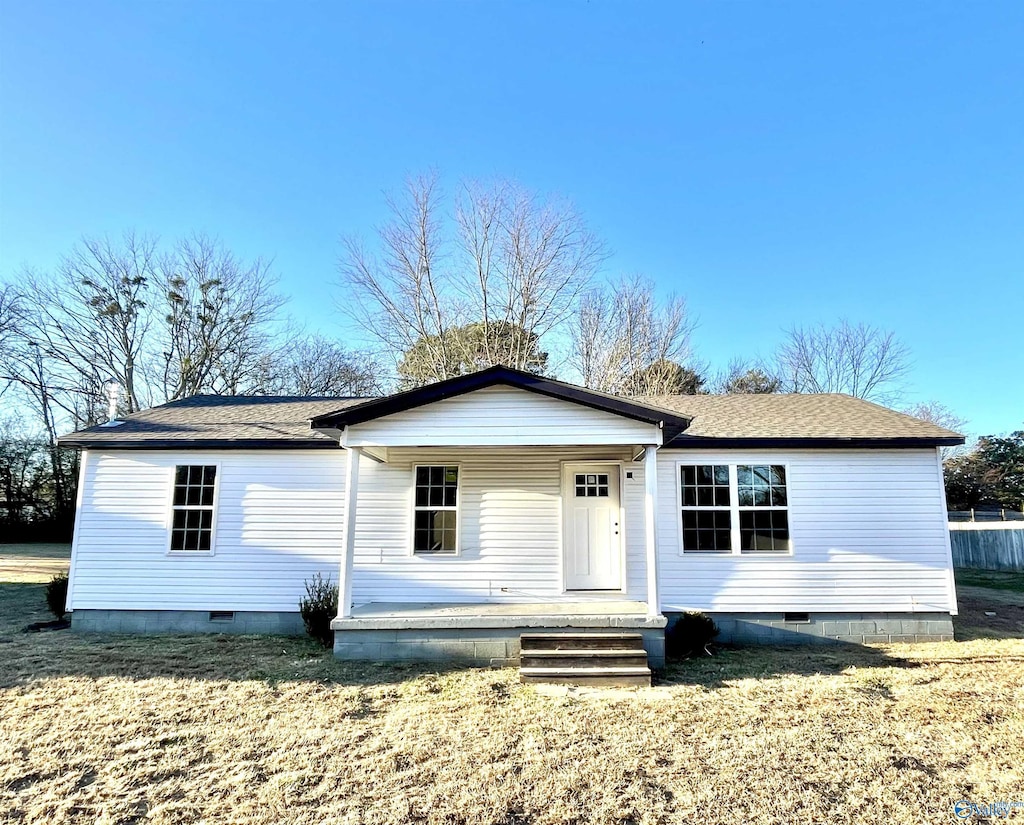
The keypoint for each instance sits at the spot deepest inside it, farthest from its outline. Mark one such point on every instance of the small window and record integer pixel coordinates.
(192, 508)
(591, 485)
(435, 511)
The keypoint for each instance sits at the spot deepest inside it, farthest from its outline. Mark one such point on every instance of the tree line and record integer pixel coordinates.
(493, 274)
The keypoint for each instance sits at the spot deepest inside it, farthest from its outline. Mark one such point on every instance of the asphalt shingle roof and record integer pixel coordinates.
(793, 416)
(234, 420)
(269, 421)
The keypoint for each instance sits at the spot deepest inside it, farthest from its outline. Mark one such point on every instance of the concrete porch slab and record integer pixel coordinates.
(597, 613)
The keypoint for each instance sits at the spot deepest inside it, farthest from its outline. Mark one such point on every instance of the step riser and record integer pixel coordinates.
(595, 643)
(583, 660)
(589, 681)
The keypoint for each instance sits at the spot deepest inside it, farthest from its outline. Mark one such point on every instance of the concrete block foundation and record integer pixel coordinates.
(477, 646)
(830, 628)
(165, 622)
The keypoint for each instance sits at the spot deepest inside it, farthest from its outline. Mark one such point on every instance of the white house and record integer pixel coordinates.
(456, 517)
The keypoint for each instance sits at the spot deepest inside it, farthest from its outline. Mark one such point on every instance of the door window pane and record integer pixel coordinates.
(591, 485)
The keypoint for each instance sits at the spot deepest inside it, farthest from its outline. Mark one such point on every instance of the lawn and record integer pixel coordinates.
(991, 579)
(262, 730)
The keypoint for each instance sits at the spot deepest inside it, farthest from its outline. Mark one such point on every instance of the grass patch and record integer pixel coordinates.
(991, 579)
(33, 562)
(197, 729)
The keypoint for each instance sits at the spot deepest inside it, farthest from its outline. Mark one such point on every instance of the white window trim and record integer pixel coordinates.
(457, 508)
(214, 507)
(734, 508)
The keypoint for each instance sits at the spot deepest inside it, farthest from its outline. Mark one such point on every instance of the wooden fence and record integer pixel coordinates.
(986, 515)
(988, 546)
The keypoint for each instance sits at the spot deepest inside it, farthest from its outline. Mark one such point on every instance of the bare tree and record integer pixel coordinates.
(400, 294)
(88, 323)
(10, 310)
(160, 327)
(942, 416)
(504, 258)
(529, 258)
(320, 366)
(215, 334)
(626, 341)
(855, 359)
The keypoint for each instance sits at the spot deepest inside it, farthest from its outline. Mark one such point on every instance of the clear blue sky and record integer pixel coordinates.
(777, 163)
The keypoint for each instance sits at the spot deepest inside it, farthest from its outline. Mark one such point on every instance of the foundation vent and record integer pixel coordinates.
(222, 615)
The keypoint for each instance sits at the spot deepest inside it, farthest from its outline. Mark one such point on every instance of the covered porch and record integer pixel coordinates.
(530, 531)
(495, 504)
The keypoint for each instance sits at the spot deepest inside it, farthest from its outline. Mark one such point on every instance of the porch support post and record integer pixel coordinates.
(650, 528)
(349, 539)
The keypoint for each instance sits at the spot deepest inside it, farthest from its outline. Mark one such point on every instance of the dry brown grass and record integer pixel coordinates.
(258, 730)
(33, 562)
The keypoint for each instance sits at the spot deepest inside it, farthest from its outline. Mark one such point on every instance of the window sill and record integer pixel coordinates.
(748, 554)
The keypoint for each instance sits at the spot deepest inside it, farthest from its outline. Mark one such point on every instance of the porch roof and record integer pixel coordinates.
(672, 421)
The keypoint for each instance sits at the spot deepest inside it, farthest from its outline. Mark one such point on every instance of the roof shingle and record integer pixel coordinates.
(284, 421)
(201, 420)
(794, 416)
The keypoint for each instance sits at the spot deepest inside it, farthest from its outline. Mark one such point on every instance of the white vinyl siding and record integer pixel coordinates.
(510, 517)
(867, 529)
(501, 416)
(279, 520)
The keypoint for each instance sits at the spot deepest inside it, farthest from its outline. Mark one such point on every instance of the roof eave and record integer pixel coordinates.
(899, 442)
(198, 444)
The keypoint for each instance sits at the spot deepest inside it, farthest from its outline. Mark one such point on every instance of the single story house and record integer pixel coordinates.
(458, 516)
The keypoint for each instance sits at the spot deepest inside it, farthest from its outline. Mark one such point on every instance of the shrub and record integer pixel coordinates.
(57, 595)
(690, 635)
(318, 607)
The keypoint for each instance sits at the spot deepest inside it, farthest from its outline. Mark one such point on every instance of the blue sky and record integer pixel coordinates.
(776, 163)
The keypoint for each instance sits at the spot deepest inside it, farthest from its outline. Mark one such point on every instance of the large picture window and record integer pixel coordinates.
(192, 507)
(436, 511)
(734, 509)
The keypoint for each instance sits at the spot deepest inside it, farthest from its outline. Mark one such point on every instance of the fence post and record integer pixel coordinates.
(1002, 515)
(972, 514)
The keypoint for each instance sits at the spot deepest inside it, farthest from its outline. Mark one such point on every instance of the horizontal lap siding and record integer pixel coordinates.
(510, 527)
(279, 520)
(501, 416)
(868, 530)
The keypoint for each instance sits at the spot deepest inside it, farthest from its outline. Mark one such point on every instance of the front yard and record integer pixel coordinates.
(263, 730)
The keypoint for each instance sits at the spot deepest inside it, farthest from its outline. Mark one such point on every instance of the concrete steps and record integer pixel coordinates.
(592, 659)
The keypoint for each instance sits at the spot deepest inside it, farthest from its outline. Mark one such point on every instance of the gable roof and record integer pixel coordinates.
(673, 421)
(300, 422)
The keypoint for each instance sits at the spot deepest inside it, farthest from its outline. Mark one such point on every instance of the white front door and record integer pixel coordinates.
(593, 538)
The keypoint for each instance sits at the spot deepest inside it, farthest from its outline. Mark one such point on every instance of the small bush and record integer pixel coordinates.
(690, 635)
(57, 595)
(318, 607)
